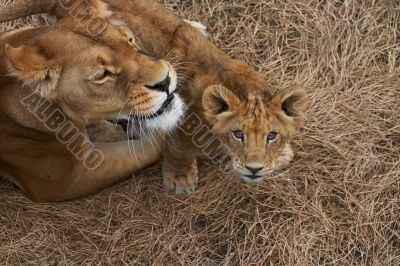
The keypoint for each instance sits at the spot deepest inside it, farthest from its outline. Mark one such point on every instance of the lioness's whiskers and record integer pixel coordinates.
(170, 53)
(152, 136)
(155, 140)
(183, 79)
(159, 132)
(127, 135)
(140, 133)
(119, 114)
(133, 144)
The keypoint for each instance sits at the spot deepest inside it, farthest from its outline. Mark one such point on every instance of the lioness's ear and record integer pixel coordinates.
(218, 102)
(293, 102)
(34, 68)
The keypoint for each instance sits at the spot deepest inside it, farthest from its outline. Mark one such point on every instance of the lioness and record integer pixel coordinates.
(228, 99)
(54, 80)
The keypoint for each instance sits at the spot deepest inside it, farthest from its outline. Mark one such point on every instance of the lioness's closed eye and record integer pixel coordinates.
(106, 79)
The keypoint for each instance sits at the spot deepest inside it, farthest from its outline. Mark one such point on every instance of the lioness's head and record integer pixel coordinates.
(94, 78)
(256, 130)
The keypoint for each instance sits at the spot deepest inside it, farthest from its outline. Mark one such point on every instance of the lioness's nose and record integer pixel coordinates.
(254, 170)
(162, 86)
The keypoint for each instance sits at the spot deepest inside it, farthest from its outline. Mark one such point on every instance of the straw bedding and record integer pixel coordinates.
(337, 204)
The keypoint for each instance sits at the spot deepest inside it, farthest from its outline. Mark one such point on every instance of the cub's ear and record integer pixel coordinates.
(34, 68)
(293, 102)
(219, 102)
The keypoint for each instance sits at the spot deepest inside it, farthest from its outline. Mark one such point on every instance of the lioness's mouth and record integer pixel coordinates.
(160, 112)
(166, 118)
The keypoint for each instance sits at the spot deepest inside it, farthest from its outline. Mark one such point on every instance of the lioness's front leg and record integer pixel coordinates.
(60, 177)
(121, 159)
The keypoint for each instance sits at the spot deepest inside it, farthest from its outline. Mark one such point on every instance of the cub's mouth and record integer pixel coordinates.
(252, 179)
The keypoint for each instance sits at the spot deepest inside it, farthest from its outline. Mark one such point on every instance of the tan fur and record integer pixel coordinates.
(66, 67)
(226, 94)
(252, 107)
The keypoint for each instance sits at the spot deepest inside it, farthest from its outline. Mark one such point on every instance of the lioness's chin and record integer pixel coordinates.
(170, 117)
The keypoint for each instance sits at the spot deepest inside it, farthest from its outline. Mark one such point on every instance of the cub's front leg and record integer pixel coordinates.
(180, 173)
(191, 140)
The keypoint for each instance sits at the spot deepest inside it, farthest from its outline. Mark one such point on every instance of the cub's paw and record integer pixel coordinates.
(181, 182)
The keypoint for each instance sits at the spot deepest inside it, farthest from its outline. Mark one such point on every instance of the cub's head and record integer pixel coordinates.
(94, 78)
(256, 130)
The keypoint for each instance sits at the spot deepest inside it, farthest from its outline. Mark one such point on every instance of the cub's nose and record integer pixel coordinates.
(162, 86)
(254, 170)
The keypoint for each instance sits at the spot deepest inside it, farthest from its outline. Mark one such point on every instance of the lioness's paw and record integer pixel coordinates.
(181, 183)
(105, 131)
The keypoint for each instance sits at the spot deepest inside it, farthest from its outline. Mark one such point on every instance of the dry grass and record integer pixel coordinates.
(338, 203)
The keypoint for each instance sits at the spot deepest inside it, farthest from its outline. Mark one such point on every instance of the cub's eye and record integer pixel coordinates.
(238, 134)
(272, 136)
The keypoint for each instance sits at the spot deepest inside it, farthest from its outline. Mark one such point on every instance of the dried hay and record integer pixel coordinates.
(338, 203)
